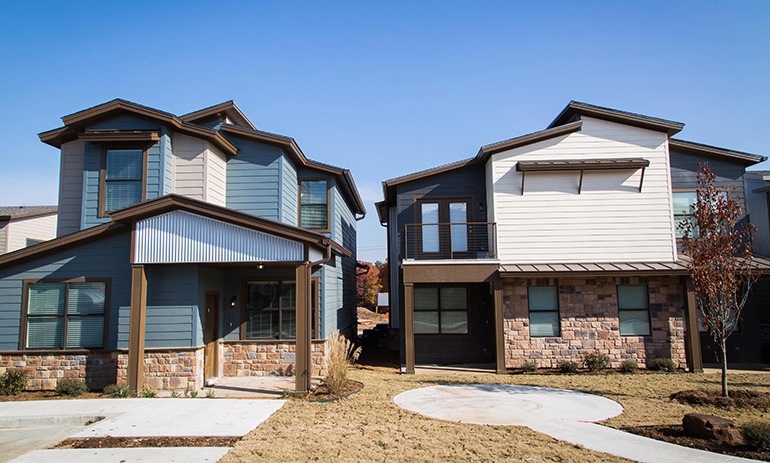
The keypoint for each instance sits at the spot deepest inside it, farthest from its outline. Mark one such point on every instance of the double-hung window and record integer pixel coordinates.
(440, 310)
(543, 311)
(122, 178)
(314, 204)
(65, 315)
(634, 310)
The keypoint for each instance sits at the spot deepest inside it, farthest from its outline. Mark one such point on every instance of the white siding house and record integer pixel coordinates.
(24, 226)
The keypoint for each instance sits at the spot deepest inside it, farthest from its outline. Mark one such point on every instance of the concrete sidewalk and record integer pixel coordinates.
(30, 427)
(565, 415)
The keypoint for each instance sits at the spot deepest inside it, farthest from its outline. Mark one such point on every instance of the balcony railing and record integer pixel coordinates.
(468, 240)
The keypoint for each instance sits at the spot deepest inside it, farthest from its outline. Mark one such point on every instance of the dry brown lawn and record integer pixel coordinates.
(368, 426)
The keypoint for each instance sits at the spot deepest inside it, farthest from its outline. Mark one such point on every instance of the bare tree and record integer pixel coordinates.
(720, 260)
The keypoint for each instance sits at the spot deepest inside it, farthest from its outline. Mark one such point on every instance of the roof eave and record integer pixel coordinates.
(699, 148)
(614, 115)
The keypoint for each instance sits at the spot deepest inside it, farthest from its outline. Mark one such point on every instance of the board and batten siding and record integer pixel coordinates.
(71, 177)
(106, 258)
(253, 179)
(609, 221)
(38, 228)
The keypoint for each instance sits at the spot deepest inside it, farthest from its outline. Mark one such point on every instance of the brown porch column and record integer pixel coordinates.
(692, 331)
(499, 328)
(136, 328)
(408, 323)
(303, 367)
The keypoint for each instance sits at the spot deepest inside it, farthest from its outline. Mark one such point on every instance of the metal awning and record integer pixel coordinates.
(581, 165)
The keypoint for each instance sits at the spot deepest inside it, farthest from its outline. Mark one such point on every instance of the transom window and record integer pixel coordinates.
(66, 315)
(634, 310)
(314, 204)
(543, 311)
(441, 310)
(271, 310)
(123, 183)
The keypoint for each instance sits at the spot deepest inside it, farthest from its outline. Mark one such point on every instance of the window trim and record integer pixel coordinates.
(443, 203)
(102, 212)
(25, 309)
(558, 311)
(467, 287)
(315, 320)
(328, 203)
(649, 312)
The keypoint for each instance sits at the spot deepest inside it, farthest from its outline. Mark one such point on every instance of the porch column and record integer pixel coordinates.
(136, 327)
(303, 367)
(497, 288)
(692, 331)
(408, 323)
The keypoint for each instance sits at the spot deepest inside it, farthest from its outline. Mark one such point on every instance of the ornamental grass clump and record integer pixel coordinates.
(339, 354)
(757, 435)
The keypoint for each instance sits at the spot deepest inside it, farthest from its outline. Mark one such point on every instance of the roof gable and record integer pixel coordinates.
(576, 109)
(224, 111)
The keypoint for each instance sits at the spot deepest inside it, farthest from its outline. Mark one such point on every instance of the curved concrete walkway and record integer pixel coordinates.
(565, 415)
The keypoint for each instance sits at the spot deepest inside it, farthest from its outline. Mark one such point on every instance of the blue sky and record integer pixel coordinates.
(382, 88)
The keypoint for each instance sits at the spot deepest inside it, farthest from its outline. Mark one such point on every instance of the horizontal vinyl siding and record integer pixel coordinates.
(107, 258)
(758, 213)
(91, 165)
(253, 179)
(216, 176)
(3, 233)
(290, 192)
(166, 326)
(70, 188)
(684, 172)
(189, 159)
(608, 221)
(38, 228)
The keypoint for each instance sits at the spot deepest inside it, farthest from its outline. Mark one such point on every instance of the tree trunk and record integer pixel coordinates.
(723, 348)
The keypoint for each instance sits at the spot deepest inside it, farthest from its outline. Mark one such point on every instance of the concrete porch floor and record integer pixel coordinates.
(249, 387)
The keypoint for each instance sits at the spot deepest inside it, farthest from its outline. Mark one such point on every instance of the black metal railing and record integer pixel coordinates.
(468, 240)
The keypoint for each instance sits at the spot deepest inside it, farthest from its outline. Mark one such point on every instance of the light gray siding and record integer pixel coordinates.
(106, 258)
(3, 239)
(70, 188)
(41, 227)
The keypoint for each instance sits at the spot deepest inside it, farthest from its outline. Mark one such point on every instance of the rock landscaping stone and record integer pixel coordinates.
(712, 427)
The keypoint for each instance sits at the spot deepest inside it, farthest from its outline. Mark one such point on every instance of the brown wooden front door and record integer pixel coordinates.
(211, 336)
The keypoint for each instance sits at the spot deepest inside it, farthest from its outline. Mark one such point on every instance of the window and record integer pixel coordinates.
(543, 311)
(443, 226)
(441, 310)
(65, 315)
(634, 310)
(684, 208)
(122, 178)
(271, 310)
(314, 204)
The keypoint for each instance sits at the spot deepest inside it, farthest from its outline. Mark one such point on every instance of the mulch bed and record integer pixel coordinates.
(49, 395)
(109, 442)
(322, 393)
(675, 435)
(739, 398)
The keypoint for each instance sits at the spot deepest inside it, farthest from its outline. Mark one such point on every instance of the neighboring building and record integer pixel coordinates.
(757, 189)
(190, 248)
(23, 226)
(549, 245)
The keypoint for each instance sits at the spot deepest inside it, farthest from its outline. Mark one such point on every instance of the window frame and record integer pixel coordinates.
(649, 314)
(103, 172)
(328, 203)
(25, 314)
(557, 311)
(681, 216)
(445, 244)
(314, 305)
(467, 310)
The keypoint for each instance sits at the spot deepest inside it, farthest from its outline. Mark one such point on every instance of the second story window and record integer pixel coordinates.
(314, 204)
(684, 208)
(122, 178)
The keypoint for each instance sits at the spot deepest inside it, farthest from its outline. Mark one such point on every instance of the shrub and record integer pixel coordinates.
(210, 393)
(666, 365)
(339, 354)
(13, 382)
(118, 390)
(71, 387)
(757, 435)
(530, 366)
(595, 361)
(192, 393)
(147, 393)
(175, 394)
(628, 366)
(567, 366)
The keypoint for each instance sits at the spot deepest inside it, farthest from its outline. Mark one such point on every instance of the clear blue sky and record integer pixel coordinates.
(381, 88)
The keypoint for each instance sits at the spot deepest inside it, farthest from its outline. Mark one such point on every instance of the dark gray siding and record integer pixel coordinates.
(464, 182)
(107, 258)
(70, 188)
(684, 172)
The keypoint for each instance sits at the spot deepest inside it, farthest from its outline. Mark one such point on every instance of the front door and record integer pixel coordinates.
(211, 336)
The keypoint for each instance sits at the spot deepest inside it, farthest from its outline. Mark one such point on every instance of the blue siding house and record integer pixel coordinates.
(189, 248)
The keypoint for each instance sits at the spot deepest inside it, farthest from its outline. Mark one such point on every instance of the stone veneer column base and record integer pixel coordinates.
(266, 358)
